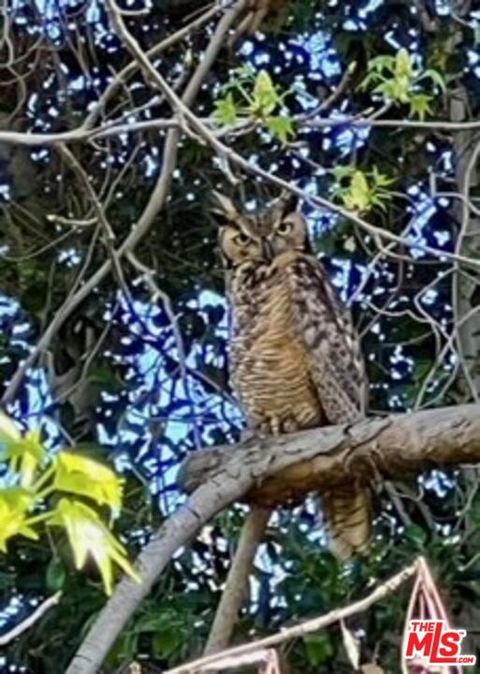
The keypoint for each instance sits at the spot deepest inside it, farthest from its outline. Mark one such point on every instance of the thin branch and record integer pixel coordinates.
(260, 656)
(181, 108)
(31, 620)
(377, 233)
(338, 91)
(126, 72)
(434, 124)
(128, 595)
(155, 203)
(158, 294)
(465, 176)
(235, 589)
(298, 631)
(83, 134)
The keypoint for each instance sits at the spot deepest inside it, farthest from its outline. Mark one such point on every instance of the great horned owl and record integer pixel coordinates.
(295, 356)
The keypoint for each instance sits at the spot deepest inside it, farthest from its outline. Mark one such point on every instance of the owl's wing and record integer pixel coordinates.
(332, 346)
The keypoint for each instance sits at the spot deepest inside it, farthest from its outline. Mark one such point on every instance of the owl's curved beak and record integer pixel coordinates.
(268, 252)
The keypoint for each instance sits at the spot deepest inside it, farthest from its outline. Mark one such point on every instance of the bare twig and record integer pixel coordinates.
(155, 203)
(158, 294)
(438, 125)
(261, 656)
(235, 588)
(126, 72)
(200, 129)
(83, 134)
(463, 340)
(31, 620)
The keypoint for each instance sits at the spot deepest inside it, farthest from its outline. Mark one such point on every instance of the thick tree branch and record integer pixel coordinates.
(389, 447)
(207, 501)
(281, 469)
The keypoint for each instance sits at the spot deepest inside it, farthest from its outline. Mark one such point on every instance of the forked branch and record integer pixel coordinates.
(278, 470)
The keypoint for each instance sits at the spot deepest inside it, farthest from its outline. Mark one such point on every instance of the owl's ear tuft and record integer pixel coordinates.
(288, 202)
(223, 209)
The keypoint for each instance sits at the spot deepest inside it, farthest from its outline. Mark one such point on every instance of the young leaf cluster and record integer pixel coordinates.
(64, 491)
(250, 95)
(361, 191)
(397, 80)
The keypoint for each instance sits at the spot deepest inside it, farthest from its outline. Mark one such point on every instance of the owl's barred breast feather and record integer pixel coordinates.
(296, 363)
(269, 363)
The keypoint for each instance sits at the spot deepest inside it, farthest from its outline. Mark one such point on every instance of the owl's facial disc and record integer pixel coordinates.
(289, 233)
(260, 237)
(240, 243)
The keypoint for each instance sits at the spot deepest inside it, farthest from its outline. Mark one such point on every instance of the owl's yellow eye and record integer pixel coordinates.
(242, 239)
(284, 227)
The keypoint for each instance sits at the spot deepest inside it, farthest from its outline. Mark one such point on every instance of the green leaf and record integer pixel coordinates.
(341, 172)
(265, 97)
(381, 63)
(8, 430)
(167, 641)
(56, 575)
(389, 90)
(81, 475)
(401, 89)
(372, 78)
(24, 453)
(363, 189)
(226, 110)
(358, 197)
(380, 179)
(436, 77)
(281, 128)
(243, 73)
(403, 65)
(420, 105)
(32, 455)
(416, 535)
(15, 503)
(319, 648)
(89, 536)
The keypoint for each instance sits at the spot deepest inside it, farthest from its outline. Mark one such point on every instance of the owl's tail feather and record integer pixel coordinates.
(348, 513)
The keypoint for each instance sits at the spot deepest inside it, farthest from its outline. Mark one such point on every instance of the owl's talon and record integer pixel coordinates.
(251, 437)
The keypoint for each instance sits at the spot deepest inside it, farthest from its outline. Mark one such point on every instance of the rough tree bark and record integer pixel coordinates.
(390, 447)
(466, 299)
(466, 288)
(281, 469)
